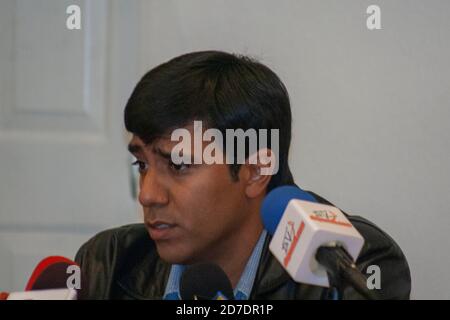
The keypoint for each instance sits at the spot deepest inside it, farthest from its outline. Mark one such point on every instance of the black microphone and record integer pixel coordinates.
(205, 281)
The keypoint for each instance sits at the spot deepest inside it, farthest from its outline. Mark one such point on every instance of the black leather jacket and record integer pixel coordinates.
(123, 263)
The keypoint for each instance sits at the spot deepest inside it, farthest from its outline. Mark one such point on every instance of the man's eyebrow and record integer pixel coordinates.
(165, 155)
(134, 148)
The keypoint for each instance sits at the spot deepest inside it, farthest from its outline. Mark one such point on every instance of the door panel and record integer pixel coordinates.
(64, 168)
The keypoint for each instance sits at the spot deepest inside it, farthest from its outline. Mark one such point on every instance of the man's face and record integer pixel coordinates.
(193, 212)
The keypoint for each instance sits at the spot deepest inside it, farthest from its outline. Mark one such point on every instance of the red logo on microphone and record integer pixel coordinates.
(290, 240)
(328, 216)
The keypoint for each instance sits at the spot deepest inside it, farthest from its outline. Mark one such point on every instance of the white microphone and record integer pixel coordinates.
(50, 294)
(305, 231)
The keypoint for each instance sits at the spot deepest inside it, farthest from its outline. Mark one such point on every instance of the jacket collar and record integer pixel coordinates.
(148, 276)
(145, 277)
(270, 275)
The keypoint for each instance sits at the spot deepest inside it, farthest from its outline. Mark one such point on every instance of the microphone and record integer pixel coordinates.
(49, 281)
(275, 203)
(50, 273)
(315, 243)
(205, 281)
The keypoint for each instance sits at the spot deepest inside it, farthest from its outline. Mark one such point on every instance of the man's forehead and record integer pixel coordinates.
(164, 138)
(163, 143)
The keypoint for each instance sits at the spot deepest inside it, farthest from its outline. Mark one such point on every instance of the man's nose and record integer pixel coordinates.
(152, 192)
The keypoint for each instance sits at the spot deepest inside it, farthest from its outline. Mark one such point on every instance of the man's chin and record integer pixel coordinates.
(171, 255)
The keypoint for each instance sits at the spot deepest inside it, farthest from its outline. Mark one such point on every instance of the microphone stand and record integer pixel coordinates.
(342, 271)
(335, 291)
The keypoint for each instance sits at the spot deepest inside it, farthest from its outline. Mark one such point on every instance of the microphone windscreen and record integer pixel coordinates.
(275, 203)
(204, 281)
(50, 273)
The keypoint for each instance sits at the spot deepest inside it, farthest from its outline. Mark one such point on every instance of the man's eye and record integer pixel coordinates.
(178, 167)
(142, 166)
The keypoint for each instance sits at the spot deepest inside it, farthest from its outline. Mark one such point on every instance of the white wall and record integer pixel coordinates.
(371, 108)
(64, 168)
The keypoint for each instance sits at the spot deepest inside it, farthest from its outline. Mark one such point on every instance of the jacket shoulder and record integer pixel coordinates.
(381, 253)
(108, 244)
(111, 256)
(119, 236)
(382, 257)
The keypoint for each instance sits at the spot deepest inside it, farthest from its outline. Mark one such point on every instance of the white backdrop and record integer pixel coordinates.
(64, 168)
(371, 109)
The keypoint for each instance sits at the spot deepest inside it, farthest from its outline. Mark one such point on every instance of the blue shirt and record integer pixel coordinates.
(244, 286)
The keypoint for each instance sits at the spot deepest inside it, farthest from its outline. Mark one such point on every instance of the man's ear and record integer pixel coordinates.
(254, 174)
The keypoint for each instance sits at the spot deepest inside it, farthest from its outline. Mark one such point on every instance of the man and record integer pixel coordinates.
(198, 212)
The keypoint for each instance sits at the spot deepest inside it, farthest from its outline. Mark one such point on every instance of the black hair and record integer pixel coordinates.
(225, 91)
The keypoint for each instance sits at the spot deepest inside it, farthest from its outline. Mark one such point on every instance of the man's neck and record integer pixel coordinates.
(235, 262)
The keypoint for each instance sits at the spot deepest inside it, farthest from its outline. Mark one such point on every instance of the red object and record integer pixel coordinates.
(4, 295)
(44, 265)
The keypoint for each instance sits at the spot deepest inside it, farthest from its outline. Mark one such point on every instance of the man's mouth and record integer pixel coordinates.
(160, 230)
(162, 226)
